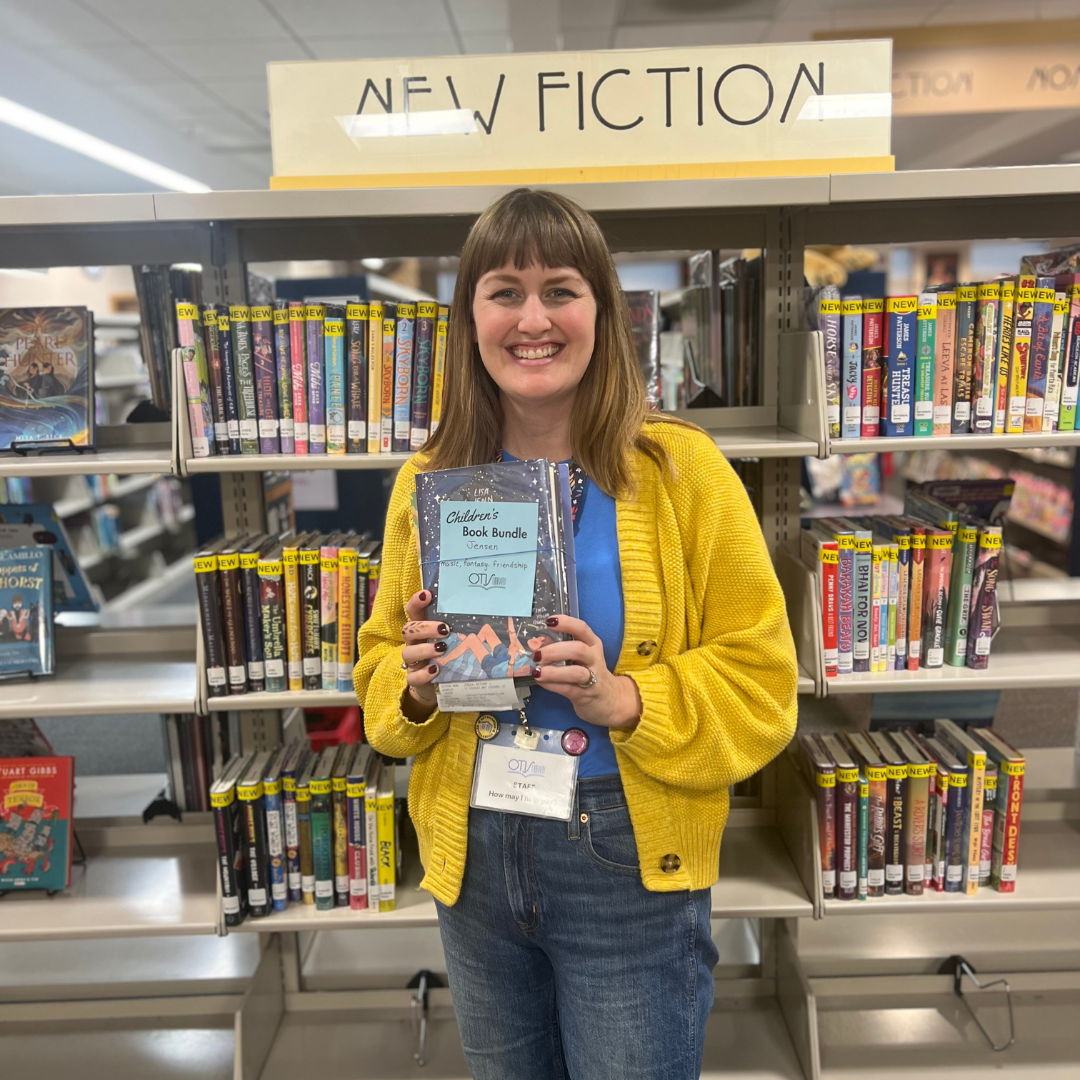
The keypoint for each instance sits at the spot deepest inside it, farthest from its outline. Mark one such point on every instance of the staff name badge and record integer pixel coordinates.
(525, 774)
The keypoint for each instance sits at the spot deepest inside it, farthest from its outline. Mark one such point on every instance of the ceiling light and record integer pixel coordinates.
(45, 127)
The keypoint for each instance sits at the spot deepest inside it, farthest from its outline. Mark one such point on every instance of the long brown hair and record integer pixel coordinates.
(526, 228)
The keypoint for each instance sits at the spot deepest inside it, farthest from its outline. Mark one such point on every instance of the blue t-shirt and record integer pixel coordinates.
(600, 604)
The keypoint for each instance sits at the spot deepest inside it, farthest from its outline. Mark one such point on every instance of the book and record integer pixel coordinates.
(1023, 328)
(829, 317)
(984, 368)
(878, 573)
(294, 643)
(298, 365)
(339, 795)
(322, 829)
(335, 376)
(229, 832)
(283, 372)
(984, 499)
(1008, 804)
(266, 403)
(46, 376)
(916, 812)
(208, 590)
(303, 828)
(212, 341)
(291, 769)
(363, 567)
(986, 839)
(310, 612)
(374, 377)
(272, 612)
(421, 383)
(228, 373)
(36, 823)
(893, 598)
(949, 852)
(314, 314)
(899, 357)
(387, 834)
(851, 308)
(963, 570)
(1055, 368)
(389, 373)
(26, 612)
(356, 783)
(873, 334)
(876, 774)
(863, 600)
(374, 568)
(1042, 327)
(405, 331)
(192, 356)
(244, 360)
(896, 765)
(371, 830)
(847, 817)
(965, 747)
(845, 589)
(821, 553)
(1070, 381)
(864, 837)
(232, 614)
(937, 574)
(944, 357)
(249, 588)
(275, 829)
(1006, 324)
(967, 300)
(821, 774)
(348, 559)
(328, 608)
(925, 330)
(645, 320)
(438, 367)
(249, 792)
(356, 351)
(901, 533)
(983, 597)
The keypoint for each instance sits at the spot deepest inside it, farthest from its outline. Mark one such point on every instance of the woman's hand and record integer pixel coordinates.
(612, 702)
(424, 641)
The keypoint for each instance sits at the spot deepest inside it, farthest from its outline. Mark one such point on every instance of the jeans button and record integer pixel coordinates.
(670, 863)
(584, 818)
(646, 648)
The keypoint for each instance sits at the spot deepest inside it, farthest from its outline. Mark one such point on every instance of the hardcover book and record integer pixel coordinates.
(356, 350)
(36, 797)
(26, 613)
(229, 830)
(228, 374)
(421, 383)
(266, 404)
(244, 359)
(212, 337)
(283, 372)
(335, 375)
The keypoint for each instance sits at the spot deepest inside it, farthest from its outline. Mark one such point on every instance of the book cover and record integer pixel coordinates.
(212, 340)
(878, 573)
(829, 316)
(229, 832)
(374, 369)
(253, 634)
(937, 574)
(935, 820)
(298, 365)
(873, 336)
(1042, 328)
(984, 499)
(294, 643)
(851, 367)
(192, 353)
(403, 373)
(963, 570)
(249, 792)
(916, 812)
(228, 376)
(348, 558)
(847, 818)
(26, 612)
(36, 822)
(339, 795)
(925, 331)
(1023, 329)
(328, 609)
(36, 525)
(266, 403)
(984, 373)
(983, 597)
(421, 385)
(899, 361)
(893, 585)
(314, 314)
(322, 829)
(46, 376)
(863, 600)
(645, 320)
(845, 587)
(335, 375)
(438, 366)
(821, 772)
(232, 615)
(291, 770)
(387, 834)
(208, 590)
(973, 755)
(864, 836)
(389, 362)
(371, 830)
(357, 849)
(953, 853)
(986, 839)
(896, 766)
(272, 611)
(1070, 381)
(311, 612)
(901, 533)
(1055, 369)
(876, 773)
(967, 301)
(1008, 803)
(303, 828)
(275, 830)
(244, 360)
(283, 371)
(1006, 323)
(356, 350)
(944, 357)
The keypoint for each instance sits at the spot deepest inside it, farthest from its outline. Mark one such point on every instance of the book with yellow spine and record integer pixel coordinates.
(1021, 355)
(294, 642)
(387, 839)
(374, 376)
(438, 366)
(1006, 321)
(348, 565)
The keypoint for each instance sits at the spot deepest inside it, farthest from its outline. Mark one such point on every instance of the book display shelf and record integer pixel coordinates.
(827, 990)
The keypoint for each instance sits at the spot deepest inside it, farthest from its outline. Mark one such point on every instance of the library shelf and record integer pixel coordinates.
(77, 504)
(959, 443)
(286, 699)
(143, 459)
(244, 463)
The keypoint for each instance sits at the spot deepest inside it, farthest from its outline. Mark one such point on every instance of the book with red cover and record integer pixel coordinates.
(36, 833)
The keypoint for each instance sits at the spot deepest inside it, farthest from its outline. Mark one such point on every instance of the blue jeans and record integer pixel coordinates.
(562, 964)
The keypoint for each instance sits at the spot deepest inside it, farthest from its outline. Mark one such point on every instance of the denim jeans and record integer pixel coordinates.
(562, 964)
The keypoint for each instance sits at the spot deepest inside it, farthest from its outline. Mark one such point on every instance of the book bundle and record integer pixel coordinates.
(310, 378)
(36, 835)
(900, 593)
(906, 812)
(282, 612)
(298, 827)
(991, 358)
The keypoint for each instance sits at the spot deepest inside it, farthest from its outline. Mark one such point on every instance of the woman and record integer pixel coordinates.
(583, 948)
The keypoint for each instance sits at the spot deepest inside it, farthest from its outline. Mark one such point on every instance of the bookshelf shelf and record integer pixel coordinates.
(149, 459)
(244, 463)
(287, 699)
(959, 443)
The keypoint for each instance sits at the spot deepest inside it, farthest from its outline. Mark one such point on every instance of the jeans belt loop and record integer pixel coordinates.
(573, 826)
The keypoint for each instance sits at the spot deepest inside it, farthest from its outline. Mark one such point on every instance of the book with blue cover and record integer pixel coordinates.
(900, 346)
(26, 625)
(35, 525)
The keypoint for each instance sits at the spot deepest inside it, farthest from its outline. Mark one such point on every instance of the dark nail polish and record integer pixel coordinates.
(536, 673)
(536, 655)
(553, 621)
(423, 597)
(440, 646)
(433, 669)
(444, 630)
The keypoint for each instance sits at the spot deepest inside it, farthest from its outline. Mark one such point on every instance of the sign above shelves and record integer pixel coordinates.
(644, 114)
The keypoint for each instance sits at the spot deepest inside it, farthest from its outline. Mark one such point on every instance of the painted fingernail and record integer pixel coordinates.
(433, 669)
(536, 673)
(444, 630)
(440, 646)
(536, 655)
(553, 621)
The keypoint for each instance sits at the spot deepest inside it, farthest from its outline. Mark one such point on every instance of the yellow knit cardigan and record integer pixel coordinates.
(706, 640)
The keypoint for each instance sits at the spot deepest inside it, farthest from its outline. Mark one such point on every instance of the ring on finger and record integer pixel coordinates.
(591, 681)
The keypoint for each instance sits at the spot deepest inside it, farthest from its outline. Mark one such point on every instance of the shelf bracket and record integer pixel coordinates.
(422, 982)
(958, 967)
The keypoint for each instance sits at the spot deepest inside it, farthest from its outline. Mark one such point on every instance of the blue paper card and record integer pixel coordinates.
(487, 561)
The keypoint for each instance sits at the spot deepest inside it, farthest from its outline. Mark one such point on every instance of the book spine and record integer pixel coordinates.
(346, 617)
(249, 580)
(341, 842)
(356, 347)
(936, 596)
(196, 380)
(983, 597)
(307, 853)
(212, 338)
(903, 586)
(877, 560)
(847, 814)
(316, 384)
(389, 356)
(421, 388)
(963, 570)
(226, 823)
(925, 330)
(374, 369)
(328, 616)
(944, 362)
(899, 356)
(266, 405)
(845, 624)
(1055, 369)
(284, 374)
(915, 598)
(893, 598)
(864, 837)
(403, 373)
(830, 561)
(1005, 880)
(1006, 325)
(986, 836)
(916, 813)
(967, 299)
(275, 844)
(387, 851)
(334, 357)
(877, 844)
(894, 850)
(984, 378)
(310, 618)
(357, 850)
(973, 822)
(298, 365)
(851, 417)
(291, 824)
(256, 850)
(294, 644)
(240, 328)
(272, 606)
(1023, 326)
(374, 571)
(1042, 331)
(438, 367)
(829, 316)
(322, 843)
(936, 847)
(825, 787)
(232, 621)
(955, 811)
(228, 378)
(1070, 385)
(208, 589)
(863, 599)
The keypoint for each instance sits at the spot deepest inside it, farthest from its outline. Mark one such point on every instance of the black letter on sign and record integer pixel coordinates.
(489, 123)
(596, 110)
(542, 86)
(818, 87)
(386, 102)
(720, 82)
(666, 72)
(407, 87)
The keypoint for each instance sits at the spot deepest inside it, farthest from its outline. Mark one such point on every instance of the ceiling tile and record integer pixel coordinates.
(587, 14)
(482, 16)
(582, 39)
(167, 22)
(673, 35)
(383, 45)
(355, 18)
(496, 42)
(248, 95)
(105, 65)
(238, 60)
(55, 22)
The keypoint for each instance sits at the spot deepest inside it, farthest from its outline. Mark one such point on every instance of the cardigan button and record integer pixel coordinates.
(646, 648)
(670, 864)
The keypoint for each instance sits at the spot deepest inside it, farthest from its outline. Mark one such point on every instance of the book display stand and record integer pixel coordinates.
(838, 987)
